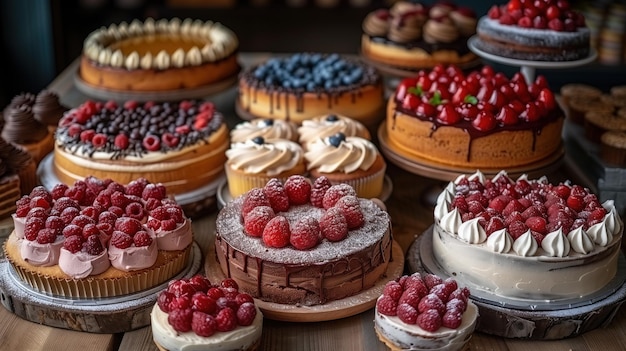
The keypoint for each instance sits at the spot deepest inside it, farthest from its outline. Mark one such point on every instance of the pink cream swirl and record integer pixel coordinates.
(81, 264)
(133, 258)
(44, 255)
(174, 240)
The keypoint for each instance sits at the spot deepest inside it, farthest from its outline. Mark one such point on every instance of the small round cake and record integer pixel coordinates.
(481, 119)
(613, 148)
(159, 55)
(542, 31)
(265, 128)
(425, 312)
(321, 127)
(410, 36)
(22, 129)
(98, 238)
(193, 314)
(297, 243)
(180, 145)
(526, 240)
(306, 85)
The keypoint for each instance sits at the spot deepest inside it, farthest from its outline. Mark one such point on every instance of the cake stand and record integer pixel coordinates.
(195, 203)
(531, 319)
(105, 315)
(527, 67)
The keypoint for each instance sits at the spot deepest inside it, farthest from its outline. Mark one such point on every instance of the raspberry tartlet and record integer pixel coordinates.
(302, 243)
(425, 312)
(193, 314)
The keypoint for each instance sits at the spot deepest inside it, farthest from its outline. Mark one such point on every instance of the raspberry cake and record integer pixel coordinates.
(193, 314)
(526, 240)
(98, 238)
(181, 145)
(425, 312)
(411, 36)
(306, 85)
(478, 120)
(159, 55)
(545, 30)
(300, 244)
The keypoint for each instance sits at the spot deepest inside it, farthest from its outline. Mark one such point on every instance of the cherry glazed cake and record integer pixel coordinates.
(558, 239)
(306, 85)
(194, 314)
(412, 36)
(181, 145)
(98, 238)
(425, 312)
(544, 30)
(306, 244)
(482, 119)
(159, 55)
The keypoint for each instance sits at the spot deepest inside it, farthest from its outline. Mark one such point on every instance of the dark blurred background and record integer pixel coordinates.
(40, 38)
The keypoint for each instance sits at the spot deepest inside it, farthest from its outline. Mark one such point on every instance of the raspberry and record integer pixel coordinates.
(73, 243)
(246, 313)
(64, 202)
(460, 293)
(127, 225)
(253, 198)
(230, 294)
(72, 230)
(393, 289)
(460, 203)
(450, 286)
(82, 220)
(201, 302)
(168, 224)
(180, 303)
(226, 320)
(152, 203)
(298, 189)
(277, 196)
(576, 202)
(159, 213)
(119, 199)
(432, 280)
(115, 186)
(39, 201)
(440, 291)
(320, 186)
(494, 224)
(99, 140)
(452, 319)
(336, 192)
(23, 206)
(121, 141)
(276, 232)
(32, 227)
(431, 301)
(87, 135)
(386, 305)
(512, 206)
(243, 297)
(229, 283)
(56, 223)
(153, 224)
(429, 320)
(93, 245)
(121, 240)
(181, 288)
(517, 228)
(411, 297)
(102, 201)
(351, 208)
(90, 229)
(131, 104)
(255, 221)
(153, 191)
(201, 282)
(68, 214)
(537, 224)
(407, 313)
(475, 207)
(76, 193)
(170, 140)
(180, 320)
(215, 293)
(176, 213)
(456, 304)
(164, 300)
(333, 225)
(58, 191)
(38, 212)
(135, 187)
(135, 210)
(105, 228)
(142, 238)
(107, 217)
(151, 143)
(91, 212)
(203, 324)
(416, 283)
(46, 236)
(305, 233)
(499, 202)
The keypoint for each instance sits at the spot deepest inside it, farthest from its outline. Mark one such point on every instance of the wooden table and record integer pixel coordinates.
(411, 214)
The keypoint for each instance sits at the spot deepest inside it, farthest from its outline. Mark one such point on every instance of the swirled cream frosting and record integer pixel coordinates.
(265, 128)
(349, 155)
(321, 127)
(270, 157)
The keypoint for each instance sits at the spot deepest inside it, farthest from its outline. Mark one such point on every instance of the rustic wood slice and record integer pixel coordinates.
(330, 311)
(106, 315)
(431, 169)
(529, 324)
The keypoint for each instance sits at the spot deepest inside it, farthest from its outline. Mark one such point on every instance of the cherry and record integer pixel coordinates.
(485, 121)
(531, 12)
(487, 71)
(410, 102)
(540, 5)
(530, 113)
(516, 105)
(468, 111)
(553, 12)
(494, 12)
(507, 91)
(563, 4)
(448, 115)
(507, 116)
(569, 25)
(540, 22)
(525, 22)
(514, 5)
(556, 25)
(547, 97)
(425, 109)
(497, 99)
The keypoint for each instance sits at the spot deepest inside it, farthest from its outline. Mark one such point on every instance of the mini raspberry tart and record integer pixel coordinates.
(302, 243)
(479, 120)
(196, 314)
(98, 238)
(547, 30)
(425, 312)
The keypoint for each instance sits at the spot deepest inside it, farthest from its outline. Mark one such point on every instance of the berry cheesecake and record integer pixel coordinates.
(159, 55)
(411, 36)
(302, 243)
(98, 238)
(425, 312)
(193, 314)
(545, 30)
(481, 119)
(180, 145)
(306, 85)
(526, 239)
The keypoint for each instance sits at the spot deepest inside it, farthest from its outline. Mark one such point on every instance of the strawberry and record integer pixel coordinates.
(276, 232)
(576, 203)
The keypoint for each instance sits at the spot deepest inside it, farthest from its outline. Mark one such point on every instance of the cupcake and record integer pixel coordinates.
(578, 92)
(613, 148)
(265, 128)
(47, 109)
(251, 164)
(615, 100)
(22, 129)
(352, 160)
(425, 312)
(234, 323)
(324, 126)
(598, 122)
(619, 91)
(20, 162)
(579, 107)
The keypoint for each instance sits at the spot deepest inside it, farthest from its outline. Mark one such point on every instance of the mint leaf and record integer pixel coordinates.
(436, 99)
(416, 90)
(470, 99)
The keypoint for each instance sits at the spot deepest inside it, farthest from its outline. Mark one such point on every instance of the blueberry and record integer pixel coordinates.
(328, 84)
(310, 86)
(269, 80)
(335, 140)
(287, 84)
(332, 118)
(267, 122)
(258, 140)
